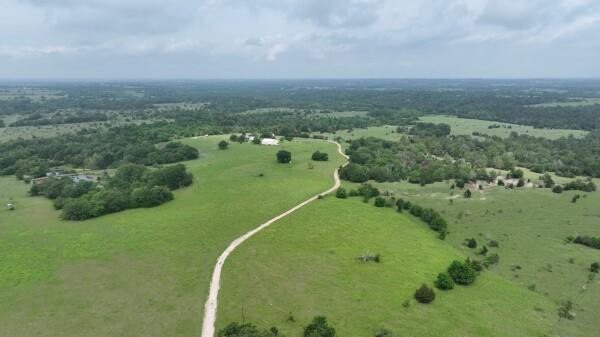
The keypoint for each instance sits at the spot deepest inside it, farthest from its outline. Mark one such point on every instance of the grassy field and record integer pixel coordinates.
(306, 265)
(143, 272)
(576, 103)
(531, 226)
(387, 132)
(465, 126)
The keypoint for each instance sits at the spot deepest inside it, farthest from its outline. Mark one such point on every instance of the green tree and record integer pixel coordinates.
(380, 202)
(284, 157)
(341, 193)
(467, 193)
(320, 156)
(223, 145)
(424, 294)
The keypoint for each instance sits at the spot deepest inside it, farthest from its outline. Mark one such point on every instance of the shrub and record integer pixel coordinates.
(557, 189)
(380, 202)
(595, 267)
(593, 242)
(462, 272)
(320, 156)
(416, 210)
(472, 243)
(384, 333)
(368, 191)
(353, 193)
(444, 281)
(575, 198)
(500, 182)
(580, 185)
(341, 193)
(233, 138)
(467, 194)
(521, 183)
(284, 157)
(319, 328)
(223, 145)
(424, 294)
(565, 310)
(400, 205)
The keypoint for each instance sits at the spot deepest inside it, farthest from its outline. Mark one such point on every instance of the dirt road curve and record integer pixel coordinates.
(210, 309)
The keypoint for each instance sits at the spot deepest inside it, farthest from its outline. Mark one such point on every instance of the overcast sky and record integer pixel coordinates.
(299, 38)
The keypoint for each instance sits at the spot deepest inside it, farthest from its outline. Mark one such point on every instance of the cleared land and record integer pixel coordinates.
(143, 272)
(575, 103)
(307, 265)
(531, 226)
(466, 126)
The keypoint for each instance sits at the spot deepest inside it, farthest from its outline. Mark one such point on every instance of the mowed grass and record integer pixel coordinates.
(531, 226)
(466, 126)
(306, 265)
(143, 272)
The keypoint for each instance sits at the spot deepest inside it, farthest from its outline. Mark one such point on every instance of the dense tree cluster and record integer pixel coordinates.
(425, 160)
(96, 149)
(132, 186)
(247, 330)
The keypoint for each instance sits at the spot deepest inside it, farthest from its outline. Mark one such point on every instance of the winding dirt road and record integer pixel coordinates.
(210, 309)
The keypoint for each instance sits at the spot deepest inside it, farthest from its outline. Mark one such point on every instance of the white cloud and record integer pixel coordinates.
(314, 38)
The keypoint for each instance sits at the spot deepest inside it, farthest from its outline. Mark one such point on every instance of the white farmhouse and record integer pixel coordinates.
(269, 141)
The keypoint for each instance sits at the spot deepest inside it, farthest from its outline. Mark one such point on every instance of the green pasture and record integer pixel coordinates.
(466, 126)
(143, 272)
(531, 225)
(306, 265)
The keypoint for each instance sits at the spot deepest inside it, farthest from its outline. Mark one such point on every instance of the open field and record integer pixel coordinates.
(575, 103)
(306, 265)
(530, 226)
(143, 272)
(466, 126)
(314, 113)
(387, 132)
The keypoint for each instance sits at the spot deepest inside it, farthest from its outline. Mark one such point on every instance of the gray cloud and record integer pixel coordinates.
(299, 38)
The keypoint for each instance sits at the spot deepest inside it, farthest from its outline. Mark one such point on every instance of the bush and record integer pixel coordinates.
(462, 272)
(319, 328)
(593, 242)
(223, 145)
(341, 193)
(500, 182)
(424, 294)
(565, 310)
(472, 243)
(233, 138)
(284, 157)
(557, 189)
(384, 333)
(521, 183)
(320, 156)
(368, 191)
(595, 267)
(580, 185)
(467, 194)
(444, 281)
(246, 330)
(379, 202)
(416, 210)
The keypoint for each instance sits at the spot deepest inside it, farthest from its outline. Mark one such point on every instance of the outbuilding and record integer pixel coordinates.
(269, 141)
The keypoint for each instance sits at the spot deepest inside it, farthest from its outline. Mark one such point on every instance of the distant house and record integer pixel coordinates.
(269, 141)
(75, 177)
(250, 138)
(82, 177)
